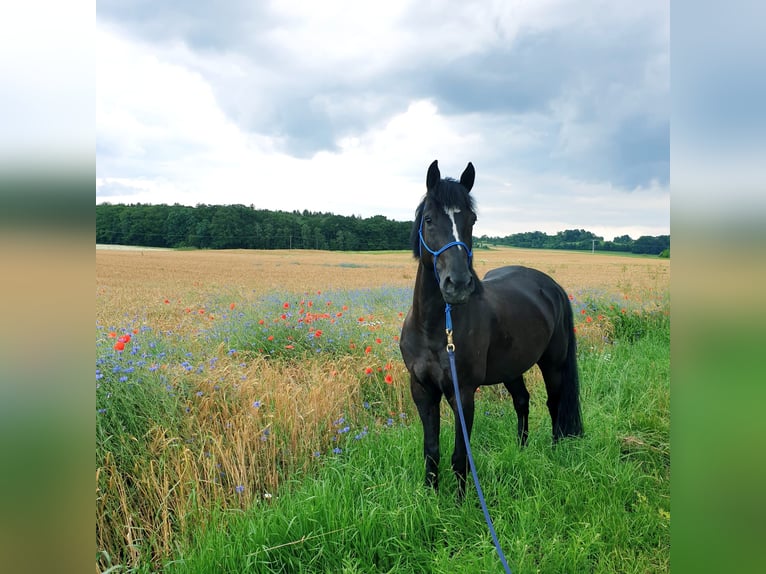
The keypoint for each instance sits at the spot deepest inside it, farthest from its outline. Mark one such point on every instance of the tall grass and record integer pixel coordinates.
(222, 449)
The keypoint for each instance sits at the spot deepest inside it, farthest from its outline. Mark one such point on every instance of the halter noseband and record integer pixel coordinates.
(442, 250)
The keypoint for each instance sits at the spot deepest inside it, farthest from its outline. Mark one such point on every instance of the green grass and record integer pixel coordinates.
(596, 504)
(600, 503)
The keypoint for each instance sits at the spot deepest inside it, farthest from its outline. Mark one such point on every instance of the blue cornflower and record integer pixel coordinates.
(123, 379)
(240, 489)
(257, 404)
(337, 450)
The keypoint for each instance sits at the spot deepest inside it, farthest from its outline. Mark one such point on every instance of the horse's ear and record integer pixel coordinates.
(468, 176)
(433, 176)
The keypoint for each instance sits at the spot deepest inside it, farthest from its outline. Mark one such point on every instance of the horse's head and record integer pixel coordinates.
(441, 236)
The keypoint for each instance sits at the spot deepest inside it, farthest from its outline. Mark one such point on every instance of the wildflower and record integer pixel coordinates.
(201, 311)
(378, 340)
(239, 489)
(283, 316)
(366, 405)
(261, 322)
(318, 333)
(289, 347)
(119, 346)
(267, 495)
(101, 411)
(389, 379)
(286, 305)
(257, 404)
(389, 366)
(582, 311)
(167, 302)
(124, 339)
(232, 306)
(368, 371)
(112, 335)
(123, 379)
(199, 393)
(368, 350)
(337, 450)
(317, 453)
(588, 319)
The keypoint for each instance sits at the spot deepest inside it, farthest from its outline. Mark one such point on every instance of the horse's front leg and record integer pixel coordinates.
(427, 400)
(460, 454)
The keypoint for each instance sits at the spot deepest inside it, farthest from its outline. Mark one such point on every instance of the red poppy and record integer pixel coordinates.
(270, 338)
(389, 379)
(286, 305)
(119, 346)
(588, 319)
(368, 371)
(318, 333)
(582, 312)
(378, 341)
(261, 322)
(389, 366)
(368, 350)
(112, 335)
(232, 306)
(167, 302)
(289, 347)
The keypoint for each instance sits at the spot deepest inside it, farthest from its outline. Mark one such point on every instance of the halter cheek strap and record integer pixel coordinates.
(442, 250)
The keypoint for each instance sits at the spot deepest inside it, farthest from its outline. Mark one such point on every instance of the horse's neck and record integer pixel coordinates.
(428, 303)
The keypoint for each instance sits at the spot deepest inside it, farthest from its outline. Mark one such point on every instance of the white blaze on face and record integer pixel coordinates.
(451, 211)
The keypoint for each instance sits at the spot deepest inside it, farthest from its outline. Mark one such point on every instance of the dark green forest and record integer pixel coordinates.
(243, 227)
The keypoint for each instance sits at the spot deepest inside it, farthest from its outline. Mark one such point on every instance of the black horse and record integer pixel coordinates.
(515, 318)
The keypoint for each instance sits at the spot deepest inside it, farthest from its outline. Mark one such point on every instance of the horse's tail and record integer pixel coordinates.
(569, 414)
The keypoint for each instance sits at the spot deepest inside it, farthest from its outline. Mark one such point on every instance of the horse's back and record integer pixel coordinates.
(523, 296)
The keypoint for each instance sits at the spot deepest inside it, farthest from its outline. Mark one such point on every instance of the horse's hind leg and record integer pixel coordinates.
(520, 395)
(553, 380)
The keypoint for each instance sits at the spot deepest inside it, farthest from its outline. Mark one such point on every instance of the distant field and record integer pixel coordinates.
(150, 273)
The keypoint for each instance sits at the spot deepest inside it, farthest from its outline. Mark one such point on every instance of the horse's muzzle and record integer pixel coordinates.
(457, 288)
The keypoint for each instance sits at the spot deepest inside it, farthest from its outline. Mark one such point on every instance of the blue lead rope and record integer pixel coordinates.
(487, 517)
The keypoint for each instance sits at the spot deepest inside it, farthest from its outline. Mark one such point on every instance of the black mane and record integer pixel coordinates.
(448, 193)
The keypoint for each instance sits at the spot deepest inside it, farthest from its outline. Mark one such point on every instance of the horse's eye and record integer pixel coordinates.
(427, 219)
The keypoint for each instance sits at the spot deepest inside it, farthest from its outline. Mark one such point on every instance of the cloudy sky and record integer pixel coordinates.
(340, 106)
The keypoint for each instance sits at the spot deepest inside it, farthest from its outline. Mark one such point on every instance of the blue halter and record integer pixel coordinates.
(442, 250)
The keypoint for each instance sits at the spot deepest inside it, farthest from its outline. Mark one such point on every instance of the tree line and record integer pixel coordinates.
(580, 239)
(243, 227)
